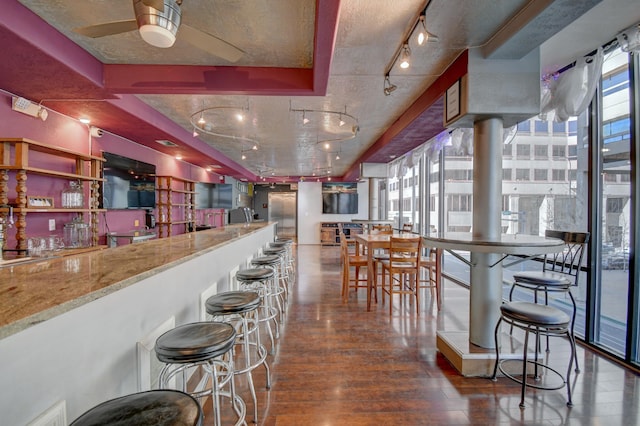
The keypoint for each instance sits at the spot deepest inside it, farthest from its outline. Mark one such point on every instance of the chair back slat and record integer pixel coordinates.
(569, 260)
(405, 249)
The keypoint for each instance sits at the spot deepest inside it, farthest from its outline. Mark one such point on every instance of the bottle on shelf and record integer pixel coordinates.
(72, 196)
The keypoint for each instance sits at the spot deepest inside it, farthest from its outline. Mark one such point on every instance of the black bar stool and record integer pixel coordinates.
(150, 408)
(261, 281)
(189, 347)
(541, 320)
(240, 309)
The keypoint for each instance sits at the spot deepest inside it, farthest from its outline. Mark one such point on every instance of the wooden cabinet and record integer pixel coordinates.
(330, 231)
(16, 163)
(176, 204)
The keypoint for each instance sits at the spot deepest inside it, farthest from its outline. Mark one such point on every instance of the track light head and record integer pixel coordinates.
(425, 36)
(388, 87)
(405, 56)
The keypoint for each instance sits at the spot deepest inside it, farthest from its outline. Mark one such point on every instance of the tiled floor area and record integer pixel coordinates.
(337, 364)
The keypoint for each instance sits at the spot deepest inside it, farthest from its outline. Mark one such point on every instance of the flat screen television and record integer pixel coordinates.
(339, 198)
(129, 183)
(214, 195)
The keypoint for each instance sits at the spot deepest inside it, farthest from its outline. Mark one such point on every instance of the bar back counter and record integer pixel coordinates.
(79, 330)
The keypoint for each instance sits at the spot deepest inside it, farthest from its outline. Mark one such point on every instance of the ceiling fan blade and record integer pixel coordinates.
(108, 28)
(210, 43)
(156, 4)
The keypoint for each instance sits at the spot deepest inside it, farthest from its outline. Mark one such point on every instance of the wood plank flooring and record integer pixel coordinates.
(336, 364)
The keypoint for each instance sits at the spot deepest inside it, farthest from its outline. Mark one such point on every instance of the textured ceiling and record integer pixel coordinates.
(298, 54)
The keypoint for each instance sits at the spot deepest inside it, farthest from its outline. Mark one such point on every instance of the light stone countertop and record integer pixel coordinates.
(36, 291)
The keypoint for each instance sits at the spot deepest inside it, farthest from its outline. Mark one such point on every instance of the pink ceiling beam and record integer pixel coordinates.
(183, 79)
(428, 98)
(191, 80)
(327, 16)
(65, 58)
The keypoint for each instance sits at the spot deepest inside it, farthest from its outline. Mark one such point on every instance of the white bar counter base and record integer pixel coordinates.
(78, 329)
(468, 358)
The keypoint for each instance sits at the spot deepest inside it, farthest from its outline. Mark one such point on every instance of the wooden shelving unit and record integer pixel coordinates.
(14, 161)
(330, 232)
(176, 204)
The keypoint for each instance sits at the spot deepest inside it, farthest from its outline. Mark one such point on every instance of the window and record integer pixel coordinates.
(540, 151)
(573, 128)
(558, 175)
(524, 127)
(523, 151)
(615, 205)
(616, 130)
(573, 151)
(542, 127)
(540, 174)
(457, 174)
(506, 174)
(507, 150)
(559, 128)
(559, 151)
(522, 174)
(505, 203)
(459, 203)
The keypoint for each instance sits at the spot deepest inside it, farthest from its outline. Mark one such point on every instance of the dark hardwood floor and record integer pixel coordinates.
(336, 364)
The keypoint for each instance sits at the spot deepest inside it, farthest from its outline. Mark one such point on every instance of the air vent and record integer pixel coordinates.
(166, 142)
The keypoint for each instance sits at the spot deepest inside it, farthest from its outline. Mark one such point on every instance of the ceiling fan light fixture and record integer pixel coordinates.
(158, 28)
(157, 36)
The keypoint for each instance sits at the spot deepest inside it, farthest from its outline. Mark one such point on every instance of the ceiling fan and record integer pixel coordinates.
(158, 22)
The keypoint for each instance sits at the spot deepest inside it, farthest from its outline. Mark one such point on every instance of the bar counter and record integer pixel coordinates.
(80, 329)
(38, 290)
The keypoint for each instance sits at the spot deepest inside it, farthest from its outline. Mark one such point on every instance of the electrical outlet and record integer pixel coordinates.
(136, 222)
(52, 224)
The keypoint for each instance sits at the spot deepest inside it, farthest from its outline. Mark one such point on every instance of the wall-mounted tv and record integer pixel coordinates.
(214, 195)
(129, 183)
(340, 198)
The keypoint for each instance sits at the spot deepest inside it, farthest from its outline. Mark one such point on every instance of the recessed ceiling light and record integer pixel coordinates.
(178, 157)
(215, 166)
(166, 142)
(244, 179)
(85, 120)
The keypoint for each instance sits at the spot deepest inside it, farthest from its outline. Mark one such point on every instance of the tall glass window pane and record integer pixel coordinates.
(548, 200)
(612, 288)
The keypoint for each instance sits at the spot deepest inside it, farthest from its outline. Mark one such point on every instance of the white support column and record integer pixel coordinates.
(486, 282)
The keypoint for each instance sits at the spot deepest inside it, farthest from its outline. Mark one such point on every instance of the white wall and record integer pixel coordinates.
(310, 210)
(88, 355)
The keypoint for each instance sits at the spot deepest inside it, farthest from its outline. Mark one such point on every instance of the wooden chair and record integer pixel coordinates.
(430, 278)
(407, 227)
(382, 228)
(403, 267)
(348, 261)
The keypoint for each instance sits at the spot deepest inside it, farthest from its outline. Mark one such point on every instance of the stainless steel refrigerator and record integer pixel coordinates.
(283, 209)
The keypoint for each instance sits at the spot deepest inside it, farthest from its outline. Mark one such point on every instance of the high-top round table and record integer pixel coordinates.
(487, 259)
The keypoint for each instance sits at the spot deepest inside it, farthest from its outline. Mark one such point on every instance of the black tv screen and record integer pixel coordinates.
(129, 183)
(339, 198)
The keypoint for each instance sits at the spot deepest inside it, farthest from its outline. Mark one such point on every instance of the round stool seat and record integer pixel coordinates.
(151, 408)
(232, 302)
(195, 342)
(535, 314)
(255, 274)
(274, 250)
(546, 278)
(284, 240)
(266, 260)
(278, 244)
